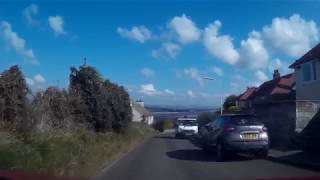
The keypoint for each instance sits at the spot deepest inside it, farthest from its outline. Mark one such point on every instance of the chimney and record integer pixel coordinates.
(140, 102)
(276, 74)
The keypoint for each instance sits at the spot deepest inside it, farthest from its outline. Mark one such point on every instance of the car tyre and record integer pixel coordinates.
(221, 153)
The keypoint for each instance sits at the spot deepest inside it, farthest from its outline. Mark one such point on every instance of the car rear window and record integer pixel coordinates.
(243, 120)
(187, 123)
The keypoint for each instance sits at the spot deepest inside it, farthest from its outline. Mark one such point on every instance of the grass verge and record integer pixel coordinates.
(78, 153)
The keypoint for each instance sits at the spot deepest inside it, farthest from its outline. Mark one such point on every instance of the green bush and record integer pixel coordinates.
(73, 153)
(233, 108)
(163, 125)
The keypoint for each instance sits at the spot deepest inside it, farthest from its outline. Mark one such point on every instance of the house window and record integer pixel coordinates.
(309, 71)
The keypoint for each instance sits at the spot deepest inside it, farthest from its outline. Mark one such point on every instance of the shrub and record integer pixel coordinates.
(233, 108)
(79, 153)
(230, 101)
(13, 100)
(51, 109)
(163, 125)
(107, 104)
(206, 117)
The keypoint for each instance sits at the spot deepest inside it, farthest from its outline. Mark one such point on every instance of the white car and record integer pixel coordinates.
(186, 127)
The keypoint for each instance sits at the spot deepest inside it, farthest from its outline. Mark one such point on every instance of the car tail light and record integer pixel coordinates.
(229, 129)
(264, 129)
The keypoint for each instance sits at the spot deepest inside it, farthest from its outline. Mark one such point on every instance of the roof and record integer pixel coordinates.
(282, 86)
(141, 109)
(247, 94)
(312, 54)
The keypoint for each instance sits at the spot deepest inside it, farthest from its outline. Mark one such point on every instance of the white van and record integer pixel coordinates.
(186, 127)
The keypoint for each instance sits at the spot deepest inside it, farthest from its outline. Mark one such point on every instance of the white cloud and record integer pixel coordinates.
(279, 65)
(235, 87)
(138, 33)
(253, 54)
(218, 71)
(36, 81)
(238, 77)
(16, 42)
(29, 81)
(238, 84)
(29, 13)
(57, 24)
(260, 77)
(293, 36)
(167, 91)
(166, 51)
(185, 28)
(275, 64)
(149, 89)
(146, 72)
(190, 93)
(193, 73)
(204, 95)
(39, 79)
(220, 46)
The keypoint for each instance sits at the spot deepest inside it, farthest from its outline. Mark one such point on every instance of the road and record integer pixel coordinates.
(163, 158)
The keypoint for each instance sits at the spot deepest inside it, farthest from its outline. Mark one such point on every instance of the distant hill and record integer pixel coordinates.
(172, 108)
(172, 112)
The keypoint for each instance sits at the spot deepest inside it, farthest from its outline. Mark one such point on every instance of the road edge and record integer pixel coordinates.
(121, 156)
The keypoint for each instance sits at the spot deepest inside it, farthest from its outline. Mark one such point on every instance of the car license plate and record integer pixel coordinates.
(249, 136)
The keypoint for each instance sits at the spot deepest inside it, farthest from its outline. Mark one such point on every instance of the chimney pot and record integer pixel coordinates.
(276, 74)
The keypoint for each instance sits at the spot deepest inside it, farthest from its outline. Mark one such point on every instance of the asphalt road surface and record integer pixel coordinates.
(164, 158)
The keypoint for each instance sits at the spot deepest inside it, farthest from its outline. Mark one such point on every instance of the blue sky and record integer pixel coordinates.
(158, 50)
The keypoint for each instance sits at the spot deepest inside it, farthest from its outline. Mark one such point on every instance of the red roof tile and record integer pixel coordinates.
(278, 90)
(247, 94)
(284, 85)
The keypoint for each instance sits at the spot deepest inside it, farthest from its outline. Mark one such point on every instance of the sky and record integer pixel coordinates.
(160, 51)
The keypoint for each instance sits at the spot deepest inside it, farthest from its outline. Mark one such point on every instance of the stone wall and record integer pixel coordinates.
(280, 119)
(305, 110)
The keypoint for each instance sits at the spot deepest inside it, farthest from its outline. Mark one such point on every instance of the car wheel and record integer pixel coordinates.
(220, 153)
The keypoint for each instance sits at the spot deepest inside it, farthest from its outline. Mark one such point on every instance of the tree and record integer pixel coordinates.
(13, 100)
(229, 102)
(51, 109)
(206, 117)
(120, 106)
(107, 104)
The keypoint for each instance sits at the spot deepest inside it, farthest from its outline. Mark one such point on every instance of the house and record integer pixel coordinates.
(244, 101)
(274, 103)
(140, 114)
(307, 75)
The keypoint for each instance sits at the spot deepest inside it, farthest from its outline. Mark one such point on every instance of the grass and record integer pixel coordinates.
(63, 153)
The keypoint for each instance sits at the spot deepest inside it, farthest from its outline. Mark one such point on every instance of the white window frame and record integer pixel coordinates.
(313, 78)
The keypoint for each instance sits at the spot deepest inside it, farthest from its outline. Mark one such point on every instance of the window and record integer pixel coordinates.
(309, 71)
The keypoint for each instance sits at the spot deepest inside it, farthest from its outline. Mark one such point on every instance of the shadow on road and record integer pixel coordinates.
(300, 160)
(164, 137)
(200, 155)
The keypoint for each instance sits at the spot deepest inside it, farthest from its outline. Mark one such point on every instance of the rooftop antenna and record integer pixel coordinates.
(84, 61)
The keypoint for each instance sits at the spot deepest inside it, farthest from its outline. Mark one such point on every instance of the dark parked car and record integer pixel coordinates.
(233, 134)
